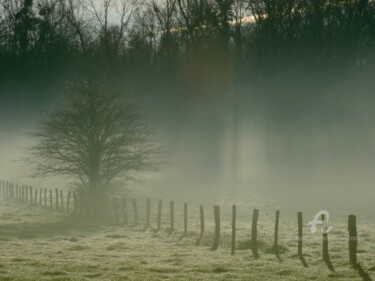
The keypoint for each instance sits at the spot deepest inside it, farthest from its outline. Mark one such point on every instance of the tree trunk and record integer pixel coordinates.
(96, 203)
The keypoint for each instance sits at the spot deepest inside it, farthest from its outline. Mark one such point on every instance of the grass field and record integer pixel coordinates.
(37, 244)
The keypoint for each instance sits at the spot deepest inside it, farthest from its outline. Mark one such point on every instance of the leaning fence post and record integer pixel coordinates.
(159, 215)
(215, 245)
(254, 233)
(171, 210)
(185, 218)
(352, 227)
(234, 211)
(326, 257)
(300, 239)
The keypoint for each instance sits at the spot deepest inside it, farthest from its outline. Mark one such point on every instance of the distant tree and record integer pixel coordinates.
(96, 136)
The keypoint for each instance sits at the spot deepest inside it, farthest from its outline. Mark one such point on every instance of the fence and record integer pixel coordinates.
(73, 202)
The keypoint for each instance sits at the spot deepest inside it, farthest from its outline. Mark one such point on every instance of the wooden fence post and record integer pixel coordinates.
(35, 196)
(326, 257)
(276, 241)
(135, 212)
(57, 198)
(31, 195)
(254, 234)
(159, 215)
(115, 209)
(171, 211)
(201, 215)
(45, 197)
(185, 219)
(234, 211)
(300, 239)
(40, 196)
(216, 242)
(68, 202)
(27, 194)
(125, 211)
(61, 200)
(352, 227)
(50, 199)
(148, 213)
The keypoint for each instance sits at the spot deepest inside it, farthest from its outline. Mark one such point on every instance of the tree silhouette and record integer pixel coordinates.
(96, 137)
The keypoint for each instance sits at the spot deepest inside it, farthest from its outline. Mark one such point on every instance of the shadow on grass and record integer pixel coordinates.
(362, 273)
(303, 261)
(329, 264)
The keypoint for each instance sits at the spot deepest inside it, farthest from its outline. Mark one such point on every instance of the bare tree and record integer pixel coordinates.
(81, 26)
(96, 137)
(111, 21)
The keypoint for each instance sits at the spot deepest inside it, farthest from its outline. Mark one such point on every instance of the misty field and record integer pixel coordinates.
(39, 244)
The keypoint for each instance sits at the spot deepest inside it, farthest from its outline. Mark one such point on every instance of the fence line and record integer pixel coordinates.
(24, 194)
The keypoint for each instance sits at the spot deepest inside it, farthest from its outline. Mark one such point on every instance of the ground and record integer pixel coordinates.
(40, 244)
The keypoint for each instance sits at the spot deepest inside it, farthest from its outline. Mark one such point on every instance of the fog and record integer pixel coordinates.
(289, 148)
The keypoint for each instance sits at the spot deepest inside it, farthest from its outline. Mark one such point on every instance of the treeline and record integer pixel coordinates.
(202, 46)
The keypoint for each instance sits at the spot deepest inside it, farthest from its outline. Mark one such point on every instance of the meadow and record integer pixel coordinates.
(41, 244)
